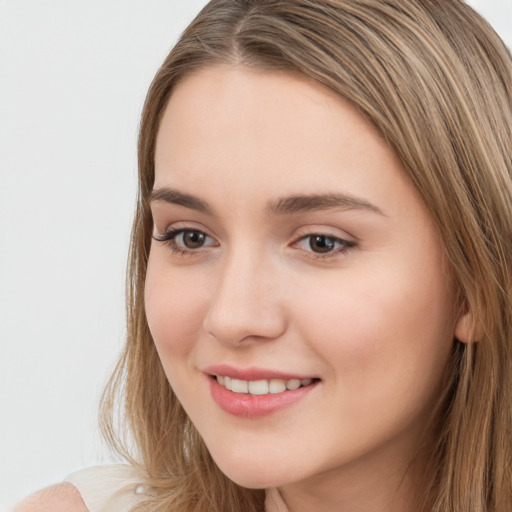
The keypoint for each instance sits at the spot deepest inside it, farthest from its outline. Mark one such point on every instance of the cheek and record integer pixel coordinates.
(174, 309)
(381, 332)
(386, 345)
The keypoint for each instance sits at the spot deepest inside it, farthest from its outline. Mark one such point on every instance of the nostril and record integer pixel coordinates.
(243, 328)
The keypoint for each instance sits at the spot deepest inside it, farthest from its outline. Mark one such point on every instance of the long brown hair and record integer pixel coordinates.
(436, 81)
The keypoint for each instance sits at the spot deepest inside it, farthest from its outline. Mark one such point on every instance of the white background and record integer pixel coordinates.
(73, 76)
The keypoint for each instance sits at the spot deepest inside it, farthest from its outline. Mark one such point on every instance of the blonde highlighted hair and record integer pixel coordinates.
(436, 81)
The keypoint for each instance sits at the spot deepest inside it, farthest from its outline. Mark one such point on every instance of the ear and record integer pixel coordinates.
(466, 329)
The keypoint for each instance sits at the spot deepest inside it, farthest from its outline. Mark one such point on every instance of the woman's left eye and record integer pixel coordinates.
(324, 245)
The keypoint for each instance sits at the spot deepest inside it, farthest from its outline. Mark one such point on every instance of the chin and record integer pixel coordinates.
(255, 480)
(258, 474)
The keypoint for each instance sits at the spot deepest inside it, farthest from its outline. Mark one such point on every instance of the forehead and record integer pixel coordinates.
(235, 132)
(230, 98)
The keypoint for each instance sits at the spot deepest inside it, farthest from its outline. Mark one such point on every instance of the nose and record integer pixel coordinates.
(245, 305)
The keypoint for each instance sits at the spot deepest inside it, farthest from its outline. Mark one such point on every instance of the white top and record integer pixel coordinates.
(116, 488)
(110, 488)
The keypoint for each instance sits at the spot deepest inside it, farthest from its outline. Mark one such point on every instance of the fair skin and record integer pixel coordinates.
(345, 284)
(57, 498)
(351, 290)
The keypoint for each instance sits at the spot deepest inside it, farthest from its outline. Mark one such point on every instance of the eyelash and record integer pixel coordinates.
(169, 239)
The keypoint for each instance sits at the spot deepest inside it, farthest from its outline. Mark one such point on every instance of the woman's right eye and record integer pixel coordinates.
(185, 241)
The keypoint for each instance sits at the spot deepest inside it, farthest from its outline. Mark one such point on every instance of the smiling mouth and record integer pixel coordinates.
(263, 386)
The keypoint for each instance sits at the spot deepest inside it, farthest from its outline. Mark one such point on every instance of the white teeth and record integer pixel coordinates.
(293, 384)
(239, 386)
(276, 386)
(261, 387)
(258, 387)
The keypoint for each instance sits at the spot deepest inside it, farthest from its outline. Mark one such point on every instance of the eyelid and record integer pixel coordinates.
(326, 229)
(173, 227)
(171, 234)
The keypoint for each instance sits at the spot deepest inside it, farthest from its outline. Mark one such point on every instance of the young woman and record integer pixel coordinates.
(319, 299)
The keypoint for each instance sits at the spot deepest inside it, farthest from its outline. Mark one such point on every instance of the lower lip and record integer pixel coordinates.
(255, 406)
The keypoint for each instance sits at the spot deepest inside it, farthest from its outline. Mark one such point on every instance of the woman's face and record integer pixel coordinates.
(293, 251)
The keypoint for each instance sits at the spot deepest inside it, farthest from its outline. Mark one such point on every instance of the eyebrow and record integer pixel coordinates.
(319, 202)
(173, 196)
(281, 206)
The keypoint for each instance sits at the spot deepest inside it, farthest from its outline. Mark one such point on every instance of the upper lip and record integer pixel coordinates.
(252, 373)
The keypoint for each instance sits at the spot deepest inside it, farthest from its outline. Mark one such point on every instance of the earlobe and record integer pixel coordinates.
(466, 329)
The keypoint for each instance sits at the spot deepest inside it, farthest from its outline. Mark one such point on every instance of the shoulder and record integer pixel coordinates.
(57, 498)
(95, 489)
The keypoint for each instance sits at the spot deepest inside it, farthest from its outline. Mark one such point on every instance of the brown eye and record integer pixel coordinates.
(321, 243)
(186, 240)
(323, 246)
(193, 239)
